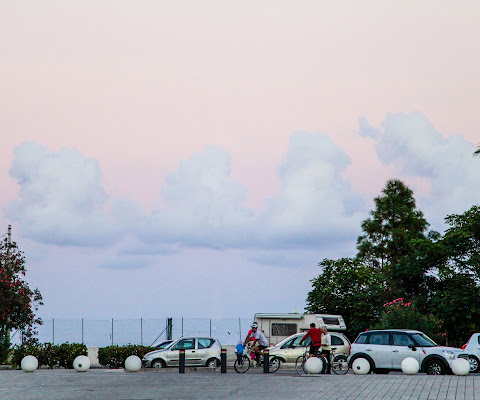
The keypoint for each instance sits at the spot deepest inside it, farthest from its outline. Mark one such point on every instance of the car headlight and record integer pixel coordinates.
(449, 354)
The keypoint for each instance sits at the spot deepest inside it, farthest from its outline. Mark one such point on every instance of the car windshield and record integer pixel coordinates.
(163, 345)
(423, 340)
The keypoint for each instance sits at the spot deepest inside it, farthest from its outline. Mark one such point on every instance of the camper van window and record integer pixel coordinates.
(330, 321)
(284, 329)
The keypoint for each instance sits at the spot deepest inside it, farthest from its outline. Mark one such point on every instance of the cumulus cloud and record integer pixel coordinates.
(61, 199)
(316, 203)
(415, 148)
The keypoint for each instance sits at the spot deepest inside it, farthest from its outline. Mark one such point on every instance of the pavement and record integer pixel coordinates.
(148, 384)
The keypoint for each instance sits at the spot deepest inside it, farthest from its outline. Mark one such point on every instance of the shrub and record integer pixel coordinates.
(48, 354)
(115, 356)
(399, 314)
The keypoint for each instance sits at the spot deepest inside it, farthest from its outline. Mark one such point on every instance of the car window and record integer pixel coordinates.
(204, 343)
(423, 340)
(184, 344)
(306, 342)
(478, 338)
(337, 341)
(402, 339)
(361, 339)
(381, 338)
(287, 344)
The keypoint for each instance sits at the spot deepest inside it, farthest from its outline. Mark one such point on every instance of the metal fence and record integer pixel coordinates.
(102, 333)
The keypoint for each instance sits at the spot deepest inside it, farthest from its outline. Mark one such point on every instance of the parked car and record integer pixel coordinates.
(163, 344)
(289, 349)
(199, 351)
(472, 348)
(386, 349)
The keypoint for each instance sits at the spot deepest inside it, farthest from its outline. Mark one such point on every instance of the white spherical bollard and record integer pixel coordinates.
(133, 363)
(460, 366)
(29, 363)
(410, 366)
(313, 365)
(81, 363)
(361, 366)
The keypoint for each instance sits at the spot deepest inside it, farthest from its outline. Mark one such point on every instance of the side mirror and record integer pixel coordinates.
(411, 346)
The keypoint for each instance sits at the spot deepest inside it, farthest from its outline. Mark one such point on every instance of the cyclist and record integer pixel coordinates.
(260, 341)
(326, 347)
(315, 339)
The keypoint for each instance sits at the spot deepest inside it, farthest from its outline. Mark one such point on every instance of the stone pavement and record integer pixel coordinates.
(106, 384)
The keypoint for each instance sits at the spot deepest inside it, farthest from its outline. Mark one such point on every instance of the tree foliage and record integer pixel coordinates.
(18, 302)
(398, 258)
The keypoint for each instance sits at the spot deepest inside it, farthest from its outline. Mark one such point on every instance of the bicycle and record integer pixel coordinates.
(338, 362)
(241, 366)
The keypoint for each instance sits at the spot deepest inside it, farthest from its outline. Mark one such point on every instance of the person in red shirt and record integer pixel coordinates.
(315, 338)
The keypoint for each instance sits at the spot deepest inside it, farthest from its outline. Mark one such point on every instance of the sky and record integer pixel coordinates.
(199, 159)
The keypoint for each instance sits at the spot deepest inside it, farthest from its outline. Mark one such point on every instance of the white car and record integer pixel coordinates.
(199, 351)
(386, 349)
(289, 349)
(472, 348)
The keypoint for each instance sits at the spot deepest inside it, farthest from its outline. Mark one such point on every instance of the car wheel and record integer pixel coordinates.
(474, 363)
(435, 367)
(213, 363)
(157, 364)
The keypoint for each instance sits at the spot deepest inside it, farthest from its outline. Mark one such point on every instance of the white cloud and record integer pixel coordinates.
(413, 146)
(61, 199)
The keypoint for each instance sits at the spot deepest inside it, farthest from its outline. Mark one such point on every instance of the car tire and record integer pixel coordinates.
(474, 363)
(435, 366)
(158, 364)
(213, 363)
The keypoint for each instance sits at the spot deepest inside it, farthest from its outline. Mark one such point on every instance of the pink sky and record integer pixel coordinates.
(142, 86)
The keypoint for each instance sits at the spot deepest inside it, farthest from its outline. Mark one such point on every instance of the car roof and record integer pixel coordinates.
(392, 330)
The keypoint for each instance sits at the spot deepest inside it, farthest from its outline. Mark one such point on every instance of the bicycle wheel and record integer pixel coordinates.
(243, 366)
(274, 364)
(340, 364)
(300, 365)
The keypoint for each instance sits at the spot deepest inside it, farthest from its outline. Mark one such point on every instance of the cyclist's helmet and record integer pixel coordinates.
(254, 325)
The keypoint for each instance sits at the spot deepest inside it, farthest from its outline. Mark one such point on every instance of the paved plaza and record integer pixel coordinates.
(106, 384)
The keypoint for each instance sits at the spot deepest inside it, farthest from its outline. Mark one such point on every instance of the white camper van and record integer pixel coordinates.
(277, 327)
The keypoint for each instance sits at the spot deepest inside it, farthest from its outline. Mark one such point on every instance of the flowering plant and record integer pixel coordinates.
(400, 314)
(18, 302)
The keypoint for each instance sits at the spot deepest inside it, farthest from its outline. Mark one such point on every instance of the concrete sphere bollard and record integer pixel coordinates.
(81, 363)
(313, 365)
(460, 366)
(410, 366)
(361, 366)
(29, 363)
(133, 364)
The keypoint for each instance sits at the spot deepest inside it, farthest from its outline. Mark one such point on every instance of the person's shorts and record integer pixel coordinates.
(314, 349)
(261, 347)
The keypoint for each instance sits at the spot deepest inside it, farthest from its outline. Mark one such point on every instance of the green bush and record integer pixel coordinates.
(115, 356)
(50, 355)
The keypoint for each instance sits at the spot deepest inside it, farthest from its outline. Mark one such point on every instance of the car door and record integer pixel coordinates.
(173, 354)
(204, 350)
(400, 349)
(380, 350)
(292, 348)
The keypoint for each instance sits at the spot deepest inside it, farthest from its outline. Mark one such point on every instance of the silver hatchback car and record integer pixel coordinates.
(199, 351)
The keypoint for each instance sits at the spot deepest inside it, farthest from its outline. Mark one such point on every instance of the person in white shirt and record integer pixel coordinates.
(326, 347)
(259, 341)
